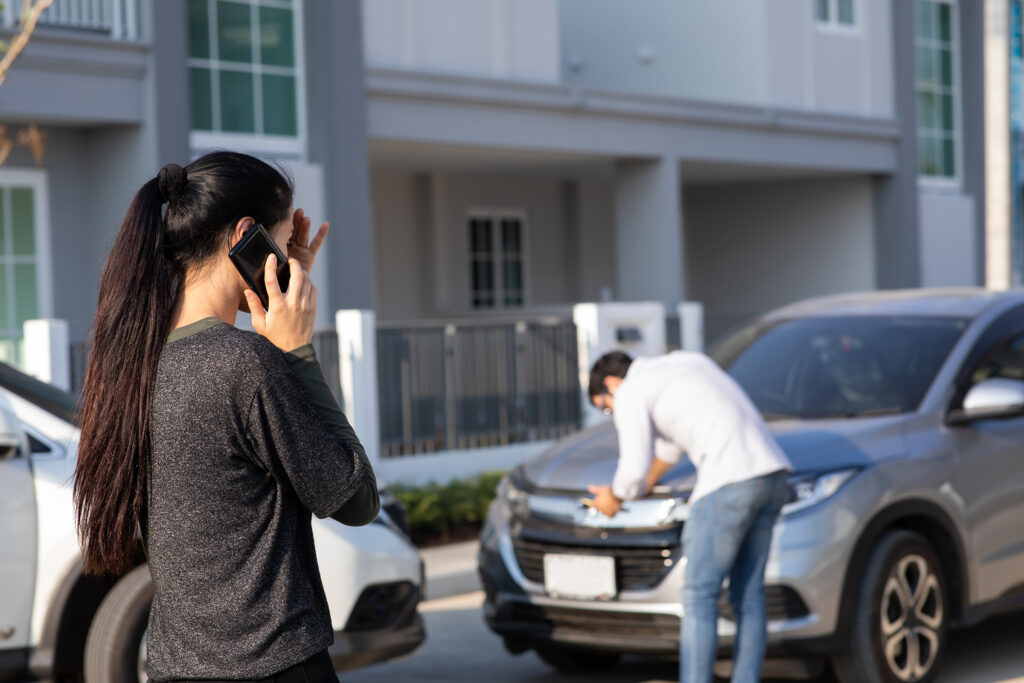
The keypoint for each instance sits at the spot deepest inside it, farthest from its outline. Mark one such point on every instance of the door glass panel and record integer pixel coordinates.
(846, 12)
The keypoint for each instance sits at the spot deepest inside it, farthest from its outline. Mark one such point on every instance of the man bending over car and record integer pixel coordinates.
(679, 403)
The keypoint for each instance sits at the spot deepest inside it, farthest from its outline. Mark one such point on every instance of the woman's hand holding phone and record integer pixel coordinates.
(289, 322)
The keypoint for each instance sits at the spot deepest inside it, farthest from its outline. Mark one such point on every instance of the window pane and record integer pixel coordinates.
(279, 104)
(202, 99)
(945, 75)
(23, 222)
(821, 10)
(480, 235)
(513, 279)
(846, 12)
(3, 232)
(947, 114)
(5, 314)
(510, 236)
(237, 113)
(277, 45)
(928, 110)
(949, 158)
(25, 300)
(483, 276)
(945, 31)
(926, 19)
(925, 58)
(234, 32)
(928, 155)
(198, 29)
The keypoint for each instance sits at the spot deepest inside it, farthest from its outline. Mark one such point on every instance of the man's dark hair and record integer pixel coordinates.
(613, 364)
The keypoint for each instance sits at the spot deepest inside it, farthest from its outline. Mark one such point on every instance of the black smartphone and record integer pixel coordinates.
(250, 258)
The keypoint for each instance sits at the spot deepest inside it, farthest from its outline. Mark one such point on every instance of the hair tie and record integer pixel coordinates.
(171, 181)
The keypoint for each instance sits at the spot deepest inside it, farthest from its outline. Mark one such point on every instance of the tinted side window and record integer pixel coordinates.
(1004, 360)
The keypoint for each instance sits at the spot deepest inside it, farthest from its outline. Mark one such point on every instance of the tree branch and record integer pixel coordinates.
(30, 11)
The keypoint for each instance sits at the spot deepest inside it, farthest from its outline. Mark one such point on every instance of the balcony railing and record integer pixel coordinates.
(118, 19)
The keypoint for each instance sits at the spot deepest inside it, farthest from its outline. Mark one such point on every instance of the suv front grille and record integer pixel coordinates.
(635, 568)
(594, 621)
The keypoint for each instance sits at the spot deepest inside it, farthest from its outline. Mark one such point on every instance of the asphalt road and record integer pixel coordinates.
(459, 648)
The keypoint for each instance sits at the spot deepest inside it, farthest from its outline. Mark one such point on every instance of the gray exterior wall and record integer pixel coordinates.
(754, 52)
(753, 246)
(336, 120)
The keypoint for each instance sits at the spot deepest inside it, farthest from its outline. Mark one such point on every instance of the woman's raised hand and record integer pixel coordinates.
(299, 245)
(289, 322)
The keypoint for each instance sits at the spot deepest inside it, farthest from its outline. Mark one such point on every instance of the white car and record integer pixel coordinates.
(56, 623)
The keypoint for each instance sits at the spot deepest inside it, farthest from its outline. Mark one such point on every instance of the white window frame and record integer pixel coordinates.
(833, 23)
(495, 215)
(36, 179)
(954, 183)
(277, 146)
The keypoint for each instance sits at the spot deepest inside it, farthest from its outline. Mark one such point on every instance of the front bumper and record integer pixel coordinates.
(384, 625)
(802, 601)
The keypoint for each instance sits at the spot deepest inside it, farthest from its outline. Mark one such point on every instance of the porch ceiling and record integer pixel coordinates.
(419, 157)
(456, 112)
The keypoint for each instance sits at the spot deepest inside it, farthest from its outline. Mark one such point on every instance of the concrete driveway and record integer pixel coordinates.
(460, 648)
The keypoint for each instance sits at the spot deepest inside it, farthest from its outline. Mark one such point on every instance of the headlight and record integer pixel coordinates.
(807, 491)
(384, 519)
(513, 500)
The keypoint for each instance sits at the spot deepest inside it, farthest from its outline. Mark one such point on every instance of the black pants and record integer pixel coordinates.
(316, 669)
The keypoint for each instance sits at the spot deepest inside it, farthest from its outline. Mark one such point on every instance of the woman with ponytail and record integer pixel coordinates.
(205, 449)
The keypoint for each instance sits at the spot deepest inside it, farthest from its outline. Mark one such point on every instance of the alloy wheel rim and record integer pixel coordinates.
(911, 618)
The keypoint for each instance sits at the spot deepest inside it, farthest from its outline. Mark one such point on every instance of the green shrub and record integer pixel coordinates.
(440, 513)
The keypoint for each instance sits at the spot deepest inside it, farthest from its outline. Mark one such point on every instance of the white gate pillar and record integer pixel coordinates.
(638, 328)
(48, 351)
(357, 356)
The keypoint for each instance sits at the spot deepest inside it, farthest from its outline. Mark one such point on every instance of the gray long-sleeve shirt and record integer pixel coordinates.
(244, 445)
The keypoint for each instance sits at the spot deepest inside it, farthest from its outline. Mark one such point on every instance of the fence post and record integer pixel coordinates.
(691, 325)
(638, 328)
(46, 351)
(357, 356)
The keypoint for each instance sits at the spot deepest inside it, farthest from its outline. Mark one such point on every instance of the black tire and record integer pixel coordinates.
(572, 661)
(113, 647)
(900, 617)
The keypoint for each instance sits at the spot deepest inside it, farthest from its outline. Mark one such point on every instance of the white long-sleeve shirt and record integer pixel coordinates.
(683, 402)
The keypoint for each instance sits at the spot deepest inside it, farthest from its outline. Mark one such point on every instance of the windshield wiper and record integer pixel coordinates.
(771, 417)
(874, 412)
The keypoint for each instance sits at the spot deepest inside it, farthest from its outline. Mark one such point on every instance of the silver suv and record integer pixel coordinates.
(903, 414)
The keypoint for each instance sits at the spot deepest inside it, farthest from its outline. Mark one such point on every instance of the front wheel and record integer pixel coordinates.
(115, 650)
(900, 623)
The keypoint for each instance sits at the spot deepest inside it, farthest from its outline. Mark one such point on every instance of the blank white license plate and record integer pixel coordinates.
(586, 577)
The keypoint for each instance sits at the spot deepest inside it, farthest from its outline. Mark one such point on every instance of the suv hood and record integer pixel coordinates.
(590, 456)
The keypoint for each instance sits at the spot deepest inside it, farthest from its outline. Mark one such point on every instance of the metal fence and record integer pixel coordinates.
(444, 387)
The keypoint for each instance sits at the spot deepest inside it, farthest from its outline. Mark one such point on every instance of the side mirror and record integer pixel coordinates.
(12, 436)
(991, 399)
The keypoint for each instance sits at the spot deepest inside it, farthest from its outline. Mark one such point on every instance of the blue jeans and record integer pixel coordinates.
(728, 534)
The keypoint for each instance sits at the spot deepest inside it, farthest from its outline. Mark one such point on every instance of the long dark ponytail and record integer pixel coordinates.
(150, 257)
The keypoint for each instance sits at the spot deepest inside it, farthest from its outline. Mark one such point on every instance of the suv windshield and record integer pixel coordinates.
(838, 366)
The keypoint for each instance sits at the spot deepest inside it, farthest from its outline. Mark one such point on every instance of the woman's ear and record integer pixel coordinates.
(241, 227)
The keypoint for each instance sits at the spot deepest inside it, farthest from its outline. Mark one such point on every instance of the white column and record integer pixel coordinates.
(691, 325)
(357, 353)
(649, 231)
(48, 351)
(638, 328)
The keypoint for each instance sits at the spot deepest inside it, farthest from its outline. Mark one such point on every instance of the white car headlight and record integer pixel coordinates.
(807, 491)
(513, 499)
